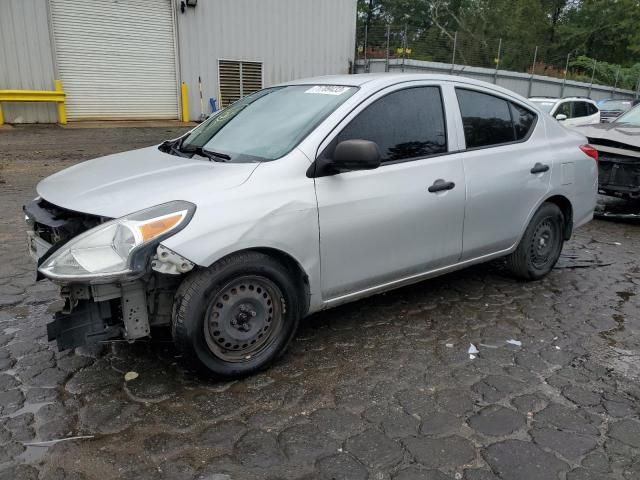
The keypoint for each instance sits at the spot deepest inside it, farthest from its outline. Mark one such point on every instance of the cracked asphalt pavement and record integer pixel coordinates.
(382, 389)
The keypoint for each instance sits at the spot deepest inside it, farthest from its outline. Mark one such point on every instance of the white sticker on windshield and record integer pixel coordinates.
(327, 89)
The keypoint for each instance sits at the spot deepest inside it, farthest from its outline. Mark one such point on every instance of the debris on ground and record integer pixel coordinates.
(130, 376)
(517, 343)
(49, 443)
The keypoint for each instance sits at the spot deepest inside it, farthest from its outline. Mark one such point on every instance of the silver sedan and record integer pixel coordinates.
(301, 197)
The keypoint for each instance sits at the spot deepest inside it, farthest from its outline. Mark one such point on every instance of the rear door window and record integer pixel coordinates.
(486, 119)
(581, 109)
(489, 120)
(523, 121)
(405, 124)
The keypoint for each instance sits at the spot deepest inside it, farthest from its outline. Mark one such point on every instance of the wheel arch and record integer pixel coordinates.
(565, 206)
(291, 264)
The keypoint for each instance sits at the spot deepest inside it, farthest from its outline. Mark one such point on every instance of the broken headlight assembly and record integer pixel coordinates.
(119, 248)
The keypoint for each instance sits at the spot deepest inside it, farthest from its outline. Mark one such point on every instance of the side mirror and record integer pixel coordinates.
(347, 156)
(356, 155)
(560, 117)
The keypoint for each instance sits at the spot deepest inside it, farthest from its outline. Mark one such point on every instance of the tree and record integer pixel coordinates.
(603, 29)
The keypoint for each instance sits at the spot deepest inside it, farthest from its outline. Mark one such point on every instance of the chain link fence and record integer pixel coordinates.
(402, 48)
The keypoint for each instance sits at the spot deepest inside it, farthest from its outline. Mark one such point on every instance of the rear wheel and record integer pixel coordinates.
(540, 246)
(237, 316)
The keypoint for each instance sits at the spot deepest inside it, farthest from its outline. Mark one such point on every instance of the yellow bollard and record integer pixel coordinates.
(184, 92)
(1, 116)
(62, 112)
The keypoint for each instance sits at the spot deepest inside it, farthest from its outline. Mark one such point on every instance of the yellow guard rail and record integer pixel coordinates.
(57, 96)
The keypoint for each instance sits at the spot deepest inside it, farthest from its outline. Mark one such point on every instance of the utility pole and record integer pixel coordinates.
(564, 79)
(533, 69)
(366, 33)
(495, 75)
(404, 46)
(615, 86)
(593, 74)
(386, 68)
(453, 56)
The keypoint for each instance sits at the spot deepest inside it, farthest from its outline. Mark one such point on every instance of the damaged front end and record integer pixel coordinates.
(116, 280)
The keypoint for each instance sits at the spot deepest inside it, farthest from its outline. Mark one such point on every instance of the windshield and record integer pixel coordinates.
(623, 105)
(544, 105)
(267, 124)
(632, 117)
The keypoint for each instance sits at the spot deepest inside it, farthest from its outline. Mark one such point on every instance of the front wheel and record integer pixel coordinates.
(237, 316)
(540, 246)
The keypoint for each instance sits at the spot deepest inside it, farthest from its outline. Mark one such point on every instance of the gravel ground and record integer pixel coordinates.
(382, 388)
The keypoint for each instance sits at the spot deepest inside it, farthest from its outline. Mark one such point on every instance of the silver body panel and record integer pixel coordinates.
(360, 232)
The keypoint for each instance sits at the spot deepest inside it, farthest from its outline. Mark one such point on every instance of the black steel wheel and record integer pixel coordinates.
(237, 316)
(541, 244)
(244, 318)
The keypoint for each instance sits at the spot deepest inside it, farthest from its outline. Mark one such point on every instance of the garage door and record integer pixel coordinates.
(116, 58)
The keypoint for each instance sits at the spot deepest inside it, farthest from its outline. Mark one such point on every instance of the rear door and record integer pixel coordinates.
(594, 113)
(383, 225)
(581, 114)
(507, 169)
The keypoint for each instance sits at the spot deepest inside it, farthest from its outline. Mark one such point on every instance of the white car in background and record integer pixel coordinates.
(570, 111)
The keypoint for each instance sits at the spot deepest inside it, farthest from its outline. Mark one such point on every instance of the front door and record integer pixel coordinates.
(383, 225)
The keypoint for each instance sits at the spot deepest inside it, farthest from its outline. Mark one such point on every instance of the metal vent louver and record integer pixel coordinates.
(238, 79)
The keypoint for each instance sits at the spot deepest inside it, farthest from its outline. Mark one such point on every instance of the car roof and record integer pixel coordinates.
(563, 99)
(555, 99)
(381, 80)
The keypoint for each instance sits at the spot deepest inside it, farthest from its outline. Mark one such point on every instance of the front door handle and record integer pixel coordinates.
(440, 185)
(540, 168)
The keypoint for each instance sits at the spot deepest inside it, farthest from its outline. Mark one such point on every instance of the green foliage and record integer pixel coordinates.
(603, 29)
(582, 68)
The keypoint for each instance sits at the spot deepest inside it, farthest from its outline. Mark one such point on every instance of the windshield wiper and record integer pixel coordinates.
(172, 147)
(211, 155)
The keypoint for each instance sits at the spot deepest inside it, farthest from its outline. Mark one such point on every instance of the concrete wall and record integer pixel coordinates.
(26, 58)
(518, 82)
(292, 38)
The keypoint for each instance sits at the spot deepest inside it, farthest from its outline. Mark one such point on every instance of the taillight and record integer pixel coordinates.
(589, 150)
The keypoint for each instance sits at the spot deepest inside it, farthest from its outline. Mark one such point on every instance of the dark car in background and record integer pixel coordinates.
(612, 108)
(618, 145)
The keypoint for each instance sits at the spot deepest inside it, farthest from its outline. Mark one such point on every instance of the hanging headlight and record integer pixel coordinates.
(119, 248)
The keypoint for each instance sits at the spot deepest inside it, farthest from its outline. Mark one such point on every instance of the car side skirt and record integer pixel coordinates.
(384, 287)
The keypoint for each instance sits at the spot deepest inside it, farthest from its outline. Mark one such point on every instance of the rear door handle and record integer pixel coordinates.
(540, 168)
(440, 185)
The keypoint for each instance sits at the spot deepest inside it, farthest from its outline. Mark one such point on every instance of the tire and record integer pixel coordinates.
(540, 246)
(237, 316)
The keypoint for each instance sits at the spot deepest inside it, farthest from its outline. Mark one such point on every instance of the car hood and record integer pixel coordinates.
(616, 131)
(123, 183)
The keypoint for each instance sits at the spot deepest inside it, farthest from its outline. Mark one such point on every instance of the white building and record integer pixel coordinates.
(126, 59)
